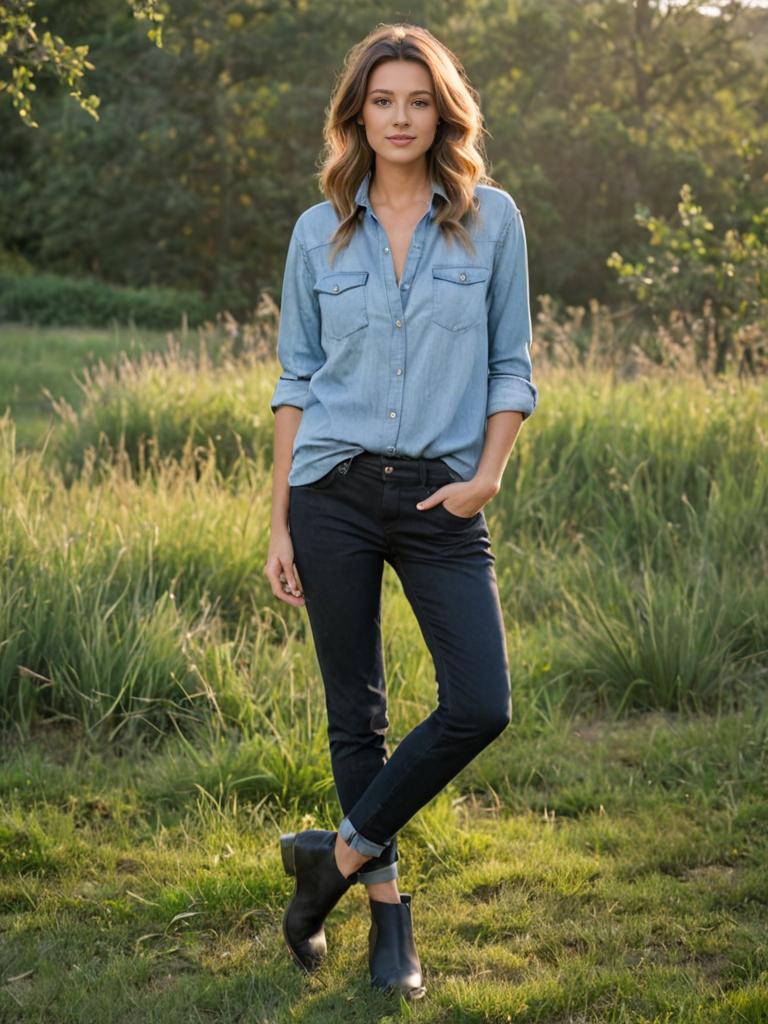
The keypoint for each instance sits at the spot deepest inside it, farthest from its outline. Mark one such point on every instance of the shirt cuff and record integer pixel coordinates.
(511, 393)
(289, 392)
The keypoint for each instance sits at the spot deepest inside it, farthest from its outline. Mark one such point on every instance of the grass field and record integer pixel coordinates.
(605, 860)
(32, 359)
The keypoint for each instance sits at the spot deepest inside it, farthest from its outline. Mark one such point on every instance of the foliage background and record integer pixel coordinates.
(205, 148)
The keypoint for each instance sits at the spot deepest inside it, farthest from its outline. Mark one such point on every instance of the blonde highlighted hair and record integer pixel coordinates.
(456, 159)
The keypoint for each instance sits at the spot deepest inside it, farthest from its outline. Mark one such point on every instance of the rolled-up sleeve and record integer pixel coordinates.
(510, 330)
(298, 342)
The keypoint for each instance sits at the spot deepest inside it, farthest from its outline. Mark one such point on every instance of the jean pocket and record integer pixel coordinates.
(343, 302)
(324, 481)
(458, 520)
(450, 518)
(339, 470)
(458, 296)
(455, 477)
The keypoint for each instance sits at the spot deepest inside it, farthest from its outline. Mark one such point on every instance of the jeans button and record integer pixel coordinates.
(389, 469)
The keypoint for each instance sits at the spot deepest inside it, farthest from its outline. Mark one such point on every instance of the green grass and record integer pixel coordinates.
(124, 897)
(605, 860)
(36, 359)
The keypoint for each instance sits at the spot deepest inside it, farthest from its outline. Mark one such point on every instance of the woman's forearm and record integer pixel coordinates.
(287, 420)
(500, 435)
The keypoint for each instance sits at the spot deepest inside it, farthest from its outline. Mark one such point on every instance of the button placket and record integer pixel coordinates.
(395, 393)
(398, 338)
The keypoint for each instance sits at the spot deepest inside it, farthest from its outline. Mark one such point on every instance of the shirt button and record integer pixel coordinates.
(399, 370)
(398, 323)
(392, 414)
(462, 277)
(406, 286)
(390, 448)
(335, 288)
(386, 248)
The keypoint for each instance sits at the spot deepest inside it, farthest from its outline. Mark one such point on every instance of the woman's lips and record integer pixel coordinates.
(399, 142)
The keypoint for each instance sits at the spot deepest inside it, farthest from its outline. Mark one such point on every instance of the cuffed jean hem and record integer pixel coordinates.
(352, 838)
(384, 874)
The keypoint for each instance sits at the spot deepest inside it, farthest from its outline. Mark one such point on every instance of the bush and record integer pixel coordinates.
(55, 299)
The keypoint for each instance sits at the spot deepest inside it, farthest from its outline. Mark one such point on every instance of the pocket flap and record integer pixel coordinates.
(461, 275)
(340, 280)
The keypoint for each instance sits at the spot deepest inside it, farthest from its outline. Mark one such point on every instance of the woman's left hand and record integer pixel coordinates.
(466, 497)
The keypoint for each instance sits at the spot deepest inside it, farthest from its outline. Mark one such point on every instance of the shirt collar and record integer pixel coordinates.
(361, 198)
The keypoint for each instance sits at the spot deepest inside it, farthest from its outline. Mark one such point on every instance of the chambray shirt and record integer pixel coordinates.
(409, 369)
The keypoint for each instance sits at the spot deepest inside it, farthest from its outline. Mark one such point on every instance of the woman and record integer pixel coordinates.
(404, 339)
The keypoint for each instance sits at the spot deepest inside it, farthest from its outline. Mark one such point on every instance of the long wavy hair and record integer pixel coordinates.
(457, 157)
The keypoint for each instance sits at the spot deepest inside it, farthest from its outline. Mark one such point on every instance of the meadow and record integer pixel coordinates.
(605, 861)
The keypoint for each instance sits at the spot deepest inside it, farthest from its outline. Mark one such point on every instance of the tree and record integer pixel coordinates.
(688, 271)
(26, 52)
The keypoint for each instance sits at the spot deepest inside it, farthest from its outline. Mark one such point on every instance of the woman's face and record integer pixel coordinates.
(400, 101)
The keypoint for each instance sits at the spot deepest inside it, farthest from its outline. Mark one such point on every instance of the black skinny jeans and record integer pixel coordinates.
(343, 527)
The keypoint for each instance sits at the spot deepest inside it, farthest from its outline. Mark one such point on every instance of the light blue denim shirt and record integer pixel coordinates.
(413, 368)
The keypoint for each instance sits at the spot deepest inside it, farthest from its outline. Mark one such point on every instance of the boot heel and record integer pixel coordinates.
(286, 851)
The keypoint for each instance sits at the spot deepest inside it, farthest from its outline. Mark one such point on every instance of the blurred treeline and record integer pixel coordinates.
(205, 149)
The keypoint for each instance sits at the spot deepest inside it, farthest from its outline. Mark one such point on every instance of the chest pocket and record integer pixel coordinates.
(343, 303)
(458, 296)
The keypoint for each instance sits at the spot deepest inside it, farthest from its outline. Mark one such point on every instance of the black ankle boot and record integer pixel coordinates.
(392, 957)
(310, 857)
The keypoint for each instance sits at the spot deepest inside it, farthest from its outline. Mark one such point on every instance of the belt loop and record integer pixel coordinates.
(422, 472)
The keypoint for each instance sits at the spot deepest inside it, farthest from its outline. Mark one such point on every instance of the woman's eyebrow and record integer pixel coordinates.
(414, 93)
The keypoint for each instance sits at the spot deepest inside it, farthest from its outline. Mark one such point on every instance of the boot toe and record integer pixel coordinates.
(309, 952)
(410, 986)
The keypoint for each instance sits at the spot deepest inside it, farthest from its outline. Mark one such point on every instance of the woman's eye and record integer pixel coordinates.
(383, 99)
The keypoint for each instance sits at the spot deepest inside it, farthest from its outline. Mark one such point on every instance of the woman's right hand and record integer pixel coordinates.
(281, 571)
